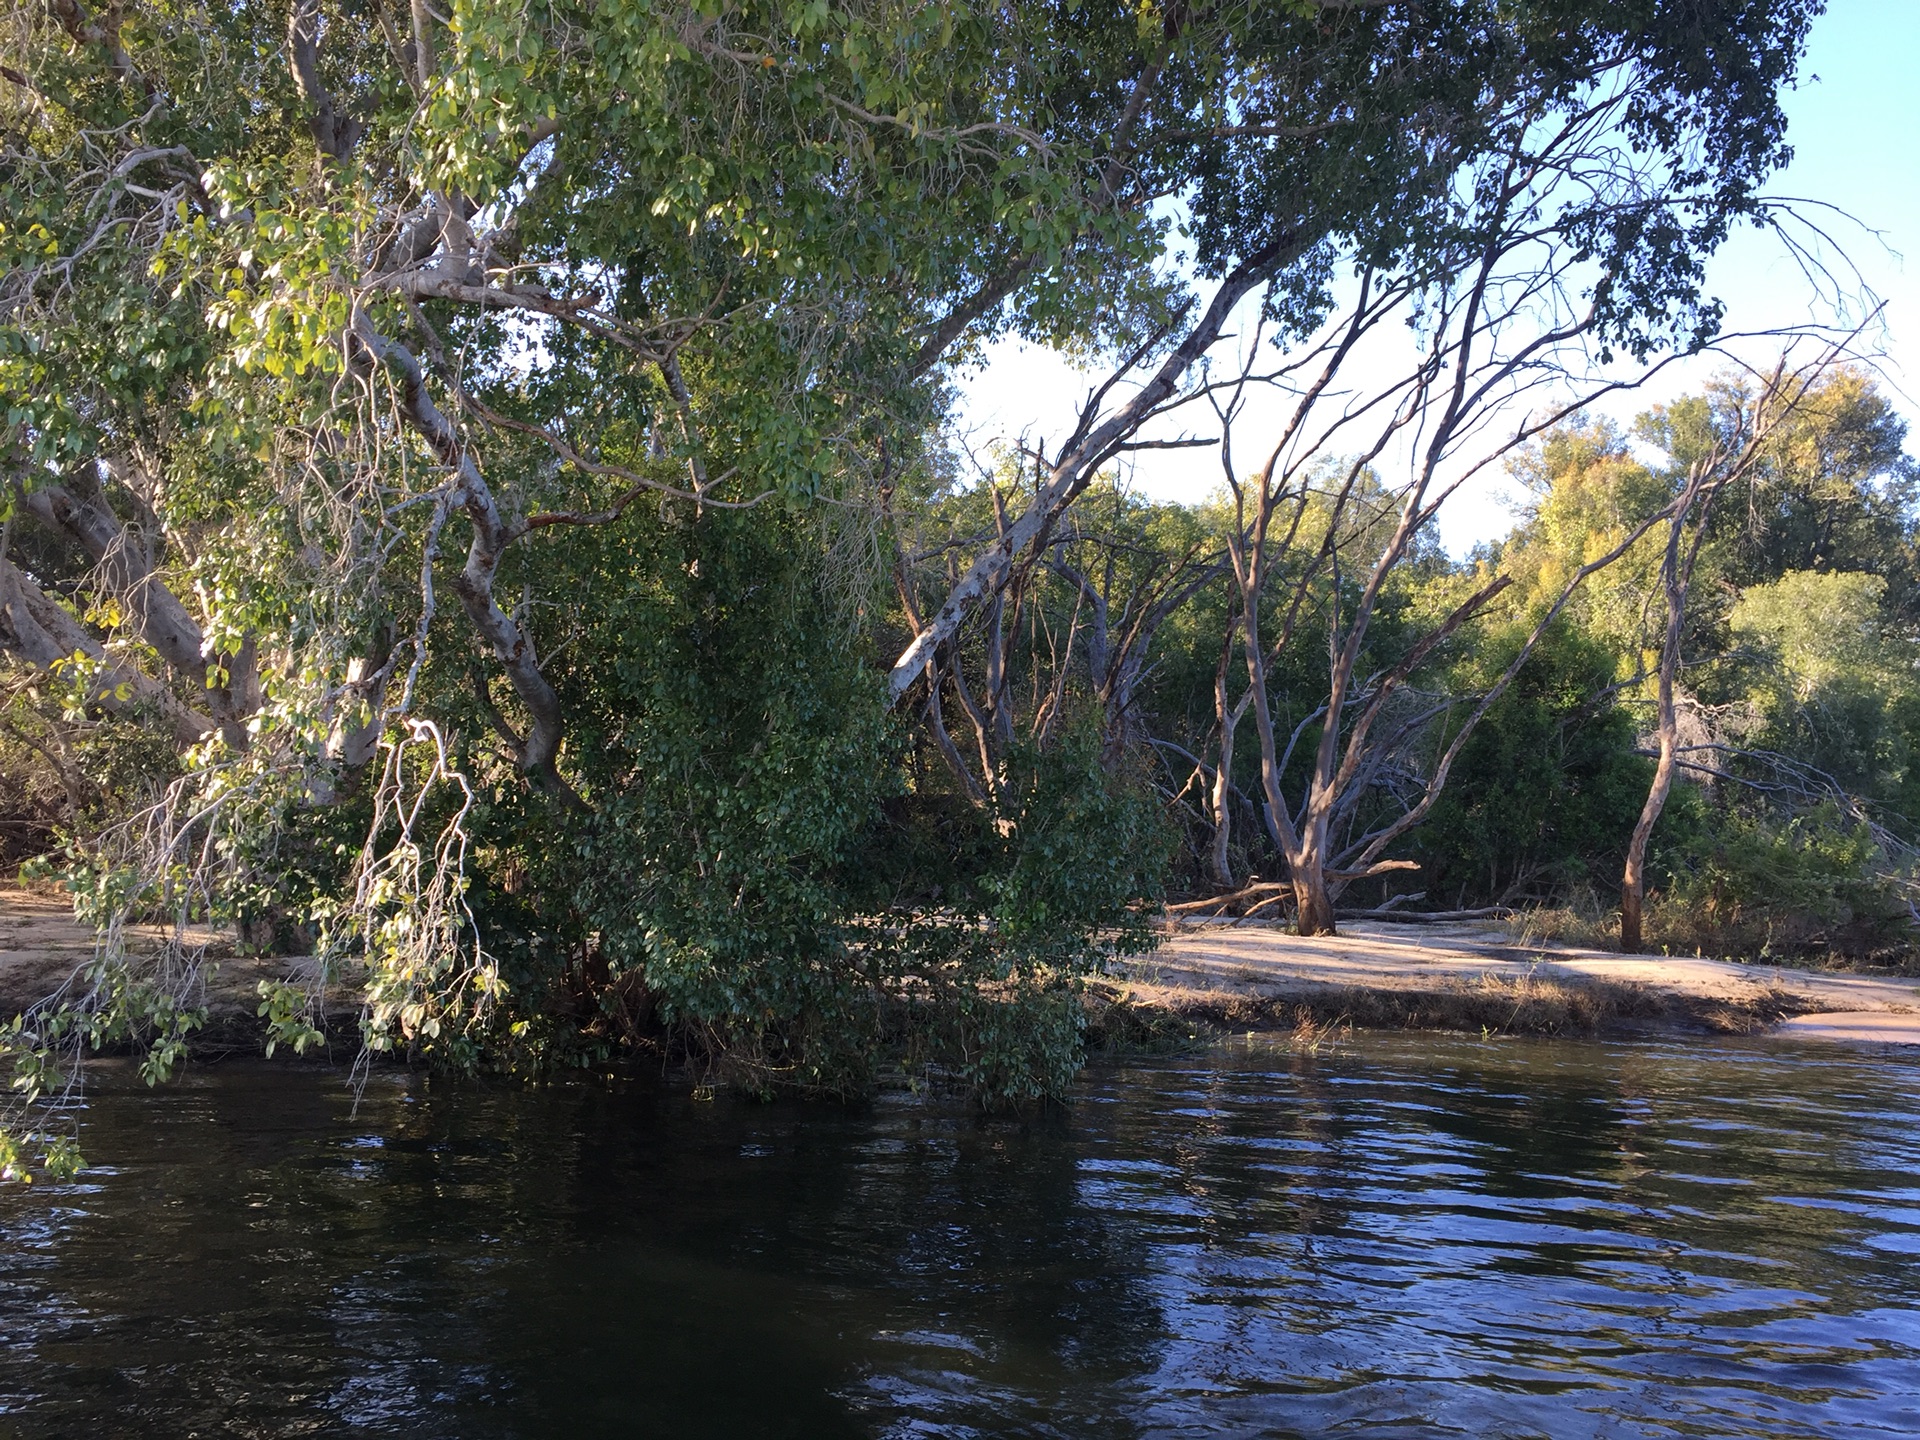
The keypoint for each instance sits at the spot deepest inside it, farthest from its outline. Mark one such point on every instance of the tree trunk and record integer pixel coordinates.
(1229, 720)
(41, 632)
(231, 682)
(511, 643)
(1633, 884)
(1220, 860)
(1632, 887)
(1314, 904)
(1676, 579)
(1633, 881)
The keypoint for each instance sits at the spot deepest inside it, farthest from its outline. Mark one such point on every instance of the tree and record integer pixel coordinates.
(1733, 443)
(1363, 154)
(1539, 803)
(1497, 320)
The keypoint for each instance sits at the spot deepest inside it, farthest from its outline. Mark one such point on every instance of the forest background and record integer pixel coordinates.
(485, 507)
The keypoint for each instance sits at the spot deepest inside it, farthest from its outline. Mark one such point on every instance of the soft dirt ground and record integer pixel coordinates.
(1465, 976)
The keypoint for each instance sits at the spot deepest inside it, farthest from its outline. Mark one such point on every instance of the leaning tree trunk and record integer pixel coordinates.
(1729, 459)
(1228, 717)
(1676, 578)
(1634, 878)
(1073, 471)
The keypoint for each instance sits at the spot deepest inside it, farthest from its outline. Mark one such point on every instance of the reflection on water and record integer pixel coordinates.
(1415, 1236)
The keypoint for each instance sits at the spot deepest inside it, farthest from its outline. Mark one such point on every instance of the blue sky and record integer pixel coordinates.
(1854, 124)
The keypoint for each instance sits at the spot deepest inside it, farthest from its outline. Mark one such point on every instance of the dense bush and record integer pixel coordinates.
(1545, 792)
(758, 887)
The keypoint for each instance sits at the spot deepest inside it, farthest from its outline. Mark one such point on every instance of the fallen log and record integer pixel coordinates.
(1428, 917)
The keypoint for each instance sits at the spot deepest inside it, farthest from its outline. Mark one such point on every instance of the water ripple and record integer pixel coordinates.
(1407, 1237)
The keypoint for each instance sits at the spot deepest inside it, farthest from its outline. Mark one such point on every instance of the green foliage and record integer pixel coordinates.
(1085, 848)
(1821, 630)
(1756, 885)
(119, 1007)
(741, 250)
(1060, 876)
(734, 763)
(736, 881)
(58, 1156)
(1545, 792)
(112, 1005)
(1835, 493)
(287, 1009)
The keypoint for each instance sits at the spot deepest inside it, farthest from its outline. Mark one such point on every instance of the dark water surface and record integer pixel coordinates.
(1414, 1236)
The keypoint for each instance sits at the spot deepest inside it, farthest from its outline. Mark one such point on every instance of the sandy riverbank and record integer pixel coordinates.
(1251, 976)
(41, 948)
(1468, 977)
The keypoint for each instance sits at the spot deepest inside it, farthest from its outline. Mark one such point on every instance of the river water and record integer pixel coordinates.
(1408, 1236)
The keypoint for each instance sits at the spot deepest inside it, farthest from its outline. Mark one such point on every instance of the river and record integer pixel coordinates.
(1405, 1236)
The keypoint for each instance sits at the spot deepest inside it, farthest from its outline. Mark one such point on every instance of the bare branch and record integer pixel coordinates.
(1075, 470)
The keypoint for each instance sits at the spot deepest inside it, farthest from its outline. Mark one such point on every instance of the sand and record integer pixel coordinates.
(1246, 973)
(42, 947)
(1467, 973)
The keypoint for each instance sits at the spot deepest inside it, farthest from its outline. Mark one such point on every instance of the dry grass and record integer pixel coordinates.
(1667, 930)
(1313, 1033)
(1563, 925)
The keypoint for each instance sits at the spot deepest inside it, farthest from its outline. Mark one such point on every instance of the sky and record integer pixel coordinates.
(1854, 125)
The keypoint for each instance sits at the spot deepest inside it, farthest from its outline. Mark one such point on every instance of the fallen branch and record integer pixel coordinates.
(1430, 917)
(1263, 887)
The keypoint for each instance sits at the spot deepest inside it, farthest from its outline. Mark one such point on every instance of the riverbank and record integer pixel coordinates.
(1234, 975)
(42, 947)
(1240, 975)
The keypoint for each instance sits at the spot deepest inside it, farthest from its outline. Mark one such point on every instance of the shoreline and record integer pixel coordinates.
(1379, 974)
(41, 945)
(1239, 976)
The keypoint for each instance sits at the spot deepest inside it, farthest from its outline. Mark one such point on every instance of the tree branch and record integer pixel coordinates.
(40, 631)
(511, 645)
(334, 130)
(1075, 470)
